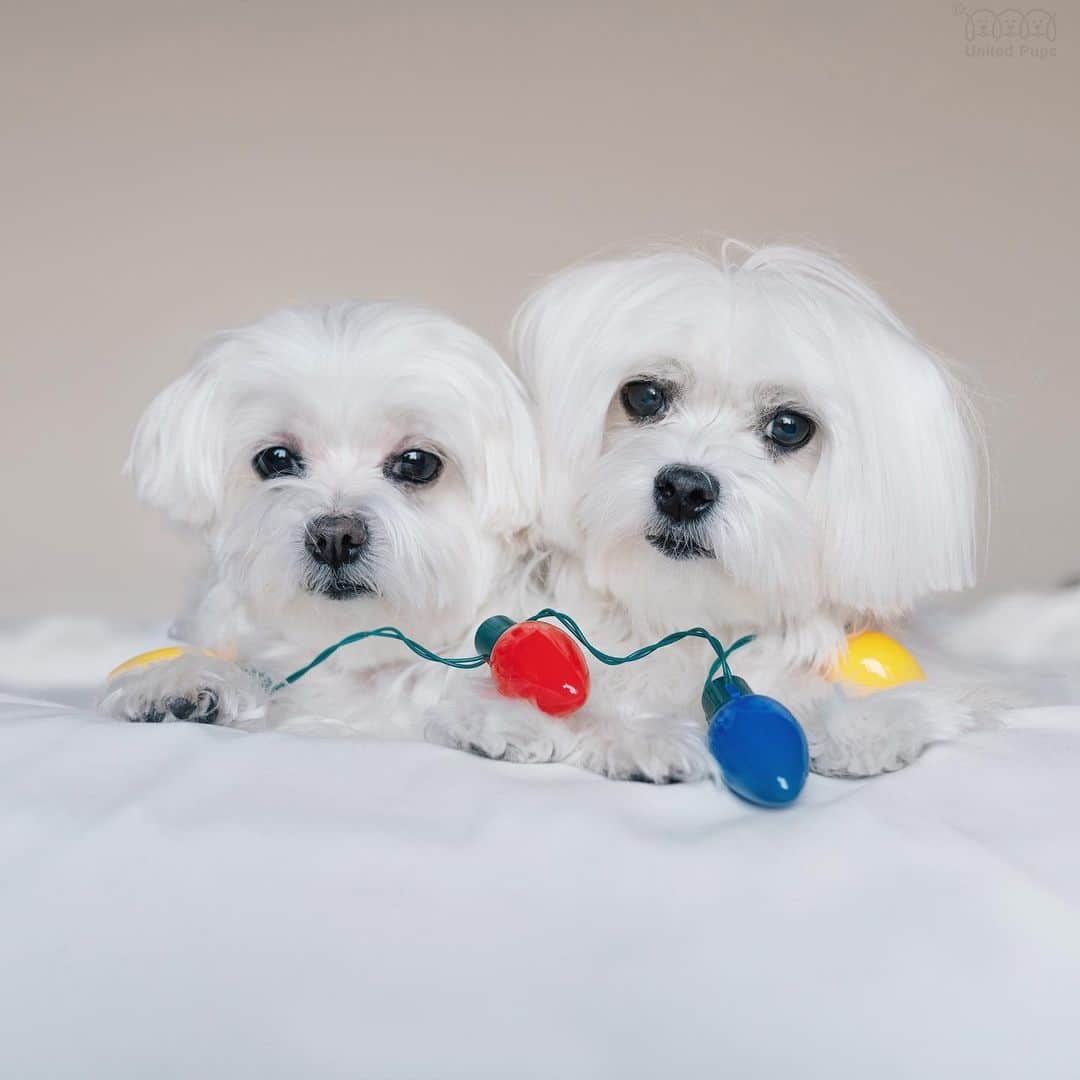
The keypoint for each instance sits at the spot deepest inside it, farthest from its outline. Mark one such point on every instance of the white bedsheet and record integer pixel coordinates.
(182, 901)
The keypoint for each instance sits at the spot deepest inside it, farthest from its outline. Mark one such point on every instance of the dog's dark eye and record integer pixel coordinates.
(644, 399)
(277, 461)
(790, 430)
(414, 467)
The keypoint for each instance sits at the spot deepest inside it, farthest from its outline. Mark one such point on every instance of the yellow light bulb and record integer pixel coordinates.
(874, 661)
(154, 656)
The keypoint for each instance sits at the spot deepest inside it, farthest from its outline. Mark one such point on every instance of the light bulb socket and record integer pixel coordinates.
(719, 691)
(489, 632)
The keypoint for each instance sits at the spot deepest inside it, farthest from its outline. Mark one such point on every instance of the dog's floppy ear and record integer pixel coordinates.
(507, 486)
(177, 453)
(897, 487)
(555, 336)
(902, 495)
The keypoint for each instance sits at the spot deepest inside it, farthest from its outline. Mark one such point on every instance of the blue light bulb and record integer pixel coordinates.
(759, 745)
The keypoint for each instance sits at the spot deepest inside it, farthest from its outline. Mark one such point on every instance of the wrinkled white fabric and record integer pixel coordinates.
(179, 900)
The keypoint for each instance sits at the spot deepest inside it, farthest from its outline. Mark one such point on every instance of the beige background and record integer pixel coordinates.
(171, 169)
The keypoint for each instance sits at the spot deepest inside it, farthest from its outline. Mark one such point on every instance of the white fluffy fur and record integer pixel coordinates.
(877, 510)
(348, 387)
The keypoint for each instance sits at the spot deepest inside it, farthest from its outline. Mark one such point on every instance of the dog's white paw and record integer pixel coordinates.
(668, 749)
(865, 736)
(193, 687)
(502, 730)
(851, 747)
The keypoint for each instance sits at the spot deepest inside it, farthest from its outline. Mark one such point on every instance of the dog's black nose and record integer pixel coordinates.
(336, 539)
(683, 493)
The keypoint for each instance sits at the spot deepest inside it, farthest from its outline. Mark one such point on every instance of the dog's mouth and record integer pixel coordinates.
(346, 590)
(339, 587)
(676, 545)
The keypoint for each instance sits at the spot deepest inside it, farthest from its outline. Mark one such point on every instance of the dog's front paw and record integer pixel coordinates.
(650, 749)
(501, 730)
(193, 687)
(886, 731)
(854, 750)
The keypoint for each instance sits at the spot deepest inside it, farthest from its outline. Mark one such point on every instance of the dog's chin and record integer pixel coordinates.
(676, 545)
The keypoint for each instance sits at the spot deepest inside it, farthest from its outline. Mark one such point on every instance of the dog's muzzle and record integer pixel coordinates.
(684, 496)
(336, 544)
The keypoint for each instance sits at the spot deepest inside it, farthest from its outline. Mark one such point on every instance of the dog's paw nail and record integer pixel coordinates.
(206, 708)
(676, 776)
(153, 715)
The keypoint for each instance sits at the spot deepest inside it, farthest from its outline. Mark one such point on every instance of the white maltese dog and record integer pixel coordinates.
(756, 447)
(347, 467)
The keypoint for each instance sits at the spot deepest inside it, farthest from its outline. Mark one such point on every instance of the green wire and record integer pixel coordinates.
(647, 650)
(392, 632)
(465, 663)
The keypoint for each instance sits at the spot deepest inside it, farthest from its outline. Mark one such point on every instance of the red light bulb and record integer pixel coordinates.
(535, 661)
